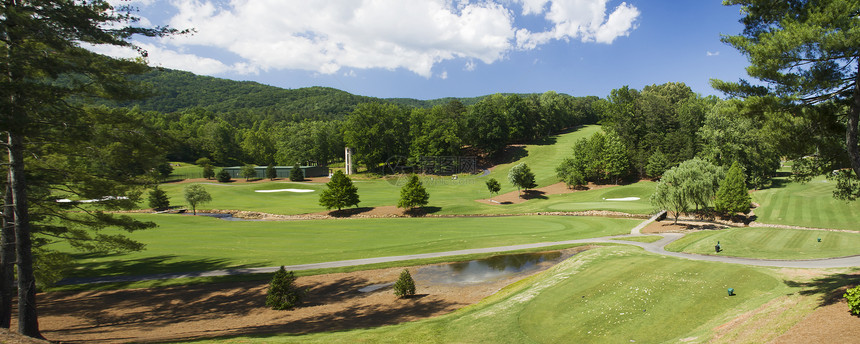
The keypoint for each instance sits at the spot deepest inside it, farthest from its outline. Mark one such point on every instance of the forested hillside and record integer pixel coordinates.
(177, 90)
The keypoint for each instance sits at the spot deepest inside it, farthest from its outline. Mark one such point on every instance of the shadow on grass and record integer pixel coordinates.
(830, 288)
(141, 266)
(533, 194)
(422, 211)
(349, 212)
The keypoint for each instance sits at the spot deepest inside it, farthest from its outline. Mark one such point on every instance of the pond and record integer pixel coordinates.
(226, 217)
(490, 269)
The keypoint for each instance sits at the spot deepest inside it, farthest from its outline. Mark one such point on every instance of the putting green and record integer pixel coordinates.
(770, 243)
(605, 295)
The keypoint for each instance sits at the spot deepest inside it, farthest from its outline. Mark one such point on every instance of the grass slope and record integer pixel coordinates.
(605, 295)
(196, 243)
(770, 243)
(810, 204)
(447, 195)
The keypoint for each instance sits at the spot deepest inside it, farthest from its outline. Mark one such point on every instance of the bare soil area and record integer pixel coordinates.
(516, 197)
(334, 303)
(828, 324)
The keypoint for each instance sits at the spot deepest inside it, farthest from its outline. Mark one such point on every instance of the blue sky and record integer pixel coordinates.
(428, 49)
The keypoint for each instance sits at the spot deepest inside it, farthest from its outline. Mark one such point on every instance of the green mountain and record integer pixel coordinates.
(177, 90)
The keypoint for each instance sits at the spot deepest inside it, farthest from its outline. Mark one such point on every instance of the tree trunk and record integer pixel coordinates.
(28, 321)
(7, 257)
(853, 119)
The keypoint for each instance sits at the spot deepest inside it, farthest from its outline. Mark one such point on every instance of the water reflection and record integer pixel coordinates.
(226, 217)
(490, 269)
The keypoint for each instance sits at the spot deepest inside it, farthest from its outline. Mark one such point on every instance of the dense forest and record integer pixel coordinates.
(657, 127)
(233, 122)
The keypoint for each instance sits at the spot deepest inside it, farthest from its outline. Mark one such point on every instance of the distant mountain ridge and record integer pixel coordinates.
(175, 90)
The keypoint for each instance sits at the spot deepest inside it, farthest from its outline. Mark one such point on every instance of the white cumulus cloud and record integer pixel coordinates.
(339, 36)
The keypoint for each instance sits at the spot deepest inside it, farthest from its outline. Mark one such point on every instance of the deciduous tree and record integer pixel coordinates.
(196, 194)
(522, 177)
(493, 186)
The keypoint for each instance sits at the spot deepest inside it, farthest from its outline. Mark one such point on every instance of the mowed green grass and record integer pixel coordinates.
(810, 205)
(447, 196)
(770, 243)
(196, 243)
(604, 295)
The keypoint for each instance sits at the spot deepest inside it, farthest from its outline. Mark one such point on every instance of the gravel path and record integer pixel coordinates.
(657, 247)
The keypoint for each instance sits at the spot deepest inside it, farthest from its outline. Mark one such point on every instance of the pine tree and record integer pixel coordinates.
(296, 173)
(733, 196)
(209, 172)
(282, 293)
(158, 199)
(405, 285)
(271, 173)
(340, 193)
(413, 194)
(44, 67)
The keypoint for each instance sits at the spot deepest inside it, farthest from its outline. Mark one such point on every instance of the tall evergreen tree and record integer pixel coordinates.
(296, 173)
(413, 194)
(808, 52)
(43, 66)
(340, 193)
(733, 196)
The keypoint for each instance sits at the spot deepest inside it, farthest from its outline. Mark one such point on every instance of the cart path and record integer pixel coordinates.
(657, 247)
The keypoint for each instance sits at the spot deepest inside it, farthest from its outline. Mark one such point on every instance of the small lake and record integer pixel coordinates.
(490, 269)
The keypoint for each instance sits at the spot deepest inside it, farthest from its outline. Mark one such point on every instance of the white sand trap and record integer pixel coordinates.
(285, 190)
(622, 199)
(106, 198)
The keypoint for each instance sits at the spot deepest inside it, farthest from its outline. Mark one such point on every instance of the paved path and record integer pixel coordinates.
(657, 247)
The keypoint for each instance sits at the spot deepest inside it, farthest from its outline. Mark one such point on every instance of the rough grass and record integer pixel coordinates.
(195, 243)
(770, 243)
(605, 295)
(810, 205)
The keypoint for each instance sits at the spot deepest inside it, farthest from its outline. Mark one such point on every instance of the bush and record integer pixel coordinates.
(283, 294)
(223, 176)
(158, 199)
(405, 285)
(853, 297)
(296, 173)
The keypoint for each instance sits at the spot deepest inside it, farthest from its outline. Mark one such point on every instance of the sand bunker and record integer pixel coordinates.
(622, 199)
(106, 198)
(285, 190)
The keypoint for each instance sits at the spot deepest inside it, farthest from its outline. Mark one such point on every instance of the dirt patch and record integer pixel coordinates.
(828, 324)
(9, 337)
(201, 311)
(516, 197)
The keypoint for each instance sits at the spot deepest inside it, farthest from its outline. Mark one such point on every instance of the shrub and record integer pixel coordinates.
(296, 173)
(223, 176)
(853, 297)
(405, 285)
(283, 294)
